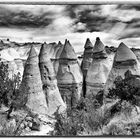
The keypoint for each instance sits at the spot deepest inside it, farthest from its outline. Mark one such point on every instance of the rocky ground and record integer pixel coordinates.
(22, 123)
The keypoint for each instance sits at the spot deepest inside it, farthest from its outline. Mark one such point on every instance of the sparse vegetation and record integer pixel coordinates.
(86, 118)
(11, 97)
(90, 117)
(124, 90)
(10, 91)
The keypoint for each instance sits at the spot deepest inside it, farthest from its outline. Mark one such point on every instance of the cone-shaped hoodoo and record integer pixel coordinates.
(69, 75)
(99, 46)
(124, 54)
(99, 69)
(36, 101)
(99, 49)
(60, 43)
(88, 44)
(87, 57)
(49, 81)
(124, 60)
(68, 51)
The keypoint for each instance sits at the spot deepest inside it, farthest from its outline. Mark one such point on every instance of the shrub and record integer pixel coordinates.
(125, 91)
(11, 95)
(8, 86)
(89, 116)
(69, 124)
(86, 118)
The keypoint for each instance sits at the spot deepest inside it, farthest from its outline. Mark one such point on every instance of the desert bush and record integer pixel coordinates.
(11, 127)
(83, 119)
(10, 89)
(8, 86)
(68, 124)
(11, 94)
(10, 130)
(124, 91)
(89, 116)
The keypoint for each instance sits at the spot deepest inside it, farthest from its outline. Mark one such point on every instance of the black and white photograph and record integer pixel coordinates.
(69, 69)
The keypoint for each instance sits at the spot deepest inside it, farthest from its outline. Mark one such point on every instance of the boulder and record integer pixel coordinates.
(35, 125)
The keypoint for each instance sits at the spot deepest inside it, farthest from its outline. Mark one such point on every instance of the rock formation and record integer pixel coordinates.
(53, 96)
(87, 57)
(36, 100)
(69, 75)
(124, 60)
(57, 52)
(99, 69)
(53, 52)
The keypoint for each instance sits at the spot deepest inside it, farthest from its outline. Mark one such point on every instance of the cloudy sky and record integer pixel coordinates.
(51, 23)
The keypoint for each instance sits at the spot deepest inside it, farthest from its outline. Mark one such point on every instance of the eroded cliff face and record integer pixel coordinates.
(48, 77)
(124, 60)
(69, 76)
(99, 69)
(36, 100)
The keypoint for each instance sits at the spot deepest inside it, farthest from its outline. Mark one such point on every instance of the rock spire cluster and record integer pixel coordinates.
(54, 79)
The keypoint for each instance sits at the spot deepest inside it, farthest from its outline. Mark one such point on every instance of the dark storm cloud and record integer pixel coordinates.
(18, 19)
(92, 17)
(96, 22)
(70, 10)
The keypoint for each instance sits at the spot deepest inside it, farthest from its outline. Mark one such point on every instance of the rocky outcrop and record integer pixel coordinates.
(49, 81)
(124, 60)
(87, 57)
(99, 69)
(69, 75)
(36, 100)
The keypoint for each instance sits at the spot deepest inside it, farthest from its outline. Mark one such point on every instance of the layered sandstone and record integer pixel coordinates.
(57, 52)
(53, 97)
(87, 57)
(69, 75)
(99, 69)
